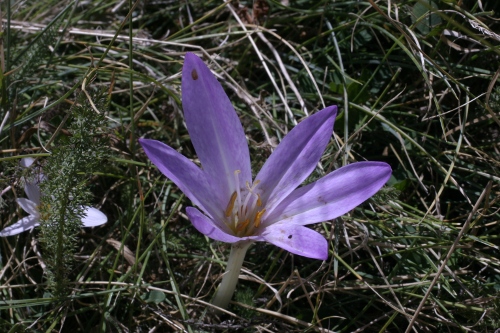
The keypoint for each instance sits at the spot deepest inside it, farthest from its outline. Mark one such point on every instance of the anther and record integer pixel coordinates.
(230, 205)
(242, 225)
(258, 217)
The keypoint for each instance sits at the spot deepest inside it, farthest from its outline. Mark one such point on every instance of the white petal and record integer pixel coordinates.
(93, 217)
(28, 206)
(33, 192)
(24, 224)
(27, 161)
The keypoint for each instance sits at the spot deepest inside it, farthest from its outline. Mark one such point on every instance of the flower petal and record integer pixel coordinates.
(24, 224)
(32, 191)
(26, 161)
(31, 186)
(298, 240)
(333, 195)
(295, 157)
(208, 227)
(186, 175)
(93, 217)
(214, 127)
(28, 206)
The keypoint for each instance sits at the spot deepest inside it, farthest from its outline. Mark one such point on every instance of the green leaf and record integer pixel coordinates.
(424, 21)
(154, 296)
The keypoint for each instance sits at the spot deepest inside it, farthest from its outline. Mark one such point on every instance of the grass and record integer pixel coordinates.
(416, 84)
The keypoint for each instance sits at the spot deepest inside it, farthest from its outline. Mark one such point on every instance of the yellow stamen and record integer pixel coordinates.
(256, 222)
(230, 205)
(259, 201)
(243, 225)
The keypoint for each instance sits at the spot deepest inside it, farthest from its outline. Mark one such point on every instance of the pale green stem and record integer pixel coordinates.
(228, 285)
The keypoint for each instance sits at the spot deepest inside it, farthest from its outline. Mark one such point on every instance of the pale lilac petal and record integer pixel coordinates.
(31, 186)
(214, 127)
(26, 162)
(32, 191)
(24, 224)
(295, 157)
(298, 240)
(28, 206)
(333, 195)
(93, 217)
(190, 179)
(208, 227)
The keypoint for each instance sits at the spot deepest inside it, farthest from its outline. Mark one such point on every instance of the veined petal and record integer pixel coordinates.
(26, 223)
(295, 157)
(333, 195)
(186, 175)
(214, 126)
(206, 226)
(298, 240)
(28, 206)
(93, 217)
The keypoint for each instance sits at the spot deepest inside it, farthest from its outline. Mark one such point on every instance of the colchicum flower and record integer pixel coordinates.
(92, 217)
(235, 209)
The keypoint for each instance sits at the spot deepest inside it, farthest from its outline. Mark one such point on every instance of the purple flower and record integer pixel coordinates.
(235, 208)
(92, 217)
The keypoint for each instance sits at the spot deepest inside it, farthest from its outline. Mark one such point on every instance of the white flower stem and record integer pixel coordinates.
(228, 285)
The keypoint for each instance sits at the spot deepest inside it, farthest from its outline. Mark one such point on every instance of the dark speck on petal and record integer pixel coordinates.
(194, 74)
(289, 236)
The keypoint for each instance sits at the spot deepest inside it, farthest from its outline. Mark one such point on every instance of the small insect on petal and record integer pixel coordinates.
(289, 236)
(194, 74)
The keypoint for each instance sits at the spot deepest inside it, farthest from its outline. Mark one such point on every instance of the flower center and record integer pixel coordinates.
(244, 210)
